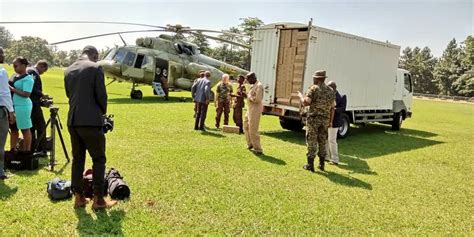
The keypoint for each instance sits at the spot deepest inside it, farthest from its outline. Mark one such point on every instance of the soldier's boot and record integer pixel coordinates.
(321, 163)
(310, 165)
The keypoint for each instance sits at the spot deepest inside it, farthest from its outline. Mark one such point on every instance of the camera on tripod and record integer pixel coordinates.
(47, 101)
(108, 123)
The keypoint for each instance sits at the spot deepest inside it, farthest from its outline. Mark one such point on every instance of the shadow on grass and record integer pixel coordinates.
(369, 141)
(270, 159)
(6, 191)
(107, 223)
(355, 165)
(209, 132)
(151, 100)
(345, 180)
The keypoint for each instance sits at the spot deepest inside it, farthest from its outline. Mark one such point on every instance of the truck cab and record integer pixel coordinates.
(402, 98)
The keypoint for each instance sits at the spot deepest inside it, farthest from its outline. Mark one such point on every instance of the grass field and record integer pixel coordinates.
(418, 181)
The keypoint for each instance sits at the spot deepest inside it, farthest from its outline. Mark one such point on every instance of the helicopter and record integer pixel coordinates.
(153, 58)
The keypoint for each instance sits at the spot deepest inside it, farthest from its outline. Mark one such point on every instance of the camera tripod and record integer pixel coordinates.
(56, 125)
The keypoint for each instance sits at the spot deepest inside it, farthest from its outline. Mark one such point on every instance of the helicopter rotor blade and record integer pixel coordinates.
(107, 34)
(220, 39)
(82, 22)
(220, 32)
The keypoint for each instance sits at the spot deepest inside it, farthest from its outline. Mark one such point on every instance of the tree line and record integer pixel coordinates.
(451, 74)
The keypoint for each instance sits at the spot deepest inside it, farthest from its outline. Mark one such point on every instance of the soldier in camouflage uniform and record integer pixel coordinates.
(222, 100)
(321, 101)
(239, 104)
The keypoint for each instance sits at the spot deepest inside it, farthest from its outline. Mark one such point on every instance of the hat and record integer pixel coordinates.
(319, 74)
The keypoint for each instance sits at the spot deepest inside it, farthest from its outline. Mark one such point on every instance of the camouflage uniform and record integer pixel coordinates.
(322, 100)
(223, 102)
(239, 104)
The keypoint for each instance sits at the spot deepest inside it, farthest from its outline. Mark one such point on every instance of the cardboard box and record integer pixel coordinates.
(299, 58)
(283, 101)
(230, 129)
(301, 50)
(285, 38)
(294, 38)
(302, 35)
(289, 55)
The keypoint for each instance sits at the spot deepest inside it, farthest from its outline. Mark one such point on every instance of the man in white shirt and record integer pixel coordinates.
(6, 112)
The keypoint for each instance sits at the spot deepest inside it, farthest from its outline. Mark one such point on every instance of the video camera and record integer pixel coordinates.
(108, 123)
(47, 101)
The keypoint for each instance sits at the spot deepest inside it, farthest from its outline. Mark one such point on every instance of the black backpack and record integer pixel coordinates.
(116, 186)
(59, 189)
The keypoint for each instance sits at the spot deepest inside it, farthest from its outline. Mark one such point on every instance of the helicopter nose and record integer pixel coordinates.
(110, 67)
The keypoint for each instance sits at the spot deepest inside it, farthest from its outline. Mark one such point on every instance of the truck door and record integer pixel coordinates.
(407, 93)
(264, 60)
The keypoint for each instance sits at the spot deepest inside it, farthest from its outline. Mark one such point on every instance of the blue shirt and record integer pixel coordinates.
(24, 84)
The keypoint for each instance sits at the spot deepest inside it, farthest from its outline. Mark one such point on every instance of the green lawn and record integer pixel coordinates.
(418, 181)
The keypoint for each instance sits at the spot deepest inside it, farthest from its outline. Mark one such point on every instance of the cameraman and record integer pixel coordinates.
(85, 88)
(37, 118)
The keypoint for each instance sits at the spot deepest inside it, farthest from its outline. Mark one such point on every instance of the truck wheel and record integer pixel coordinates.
(291, 124)
(397, 121)
(344, 129)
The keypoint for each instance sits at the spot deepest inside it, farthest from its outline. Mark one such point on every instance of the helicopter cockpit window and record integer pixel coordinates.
(120, 55)
(139, 62)
(111, 54)
(129, 58)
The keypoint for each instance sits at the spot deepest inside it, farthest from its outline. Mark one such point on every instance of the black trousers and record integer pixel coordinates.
(91, 139)
(201, 113)
(38, 129)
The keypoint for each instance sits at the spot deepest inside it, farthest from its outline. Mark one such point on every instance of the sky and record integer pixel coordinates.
(405, 23)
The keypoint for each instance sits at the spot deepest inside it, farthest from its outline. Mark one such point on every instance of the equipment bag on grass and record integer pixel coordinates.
(116, 186)
(21, 160)
(59, 189)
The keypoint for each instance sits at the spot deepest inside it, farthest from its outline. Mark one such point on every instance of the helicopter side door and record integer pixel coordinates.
(132, 66)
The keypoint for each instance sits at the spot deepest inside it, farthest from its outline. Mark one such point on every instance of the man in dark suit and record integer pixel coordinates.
(332, 154)
(201, 92)
(39, 125)
(85, 88)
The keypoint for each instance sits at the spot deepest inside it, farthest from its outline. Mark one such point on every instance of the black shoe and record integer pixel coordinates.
(308, 167)
(333, 163)
(256, 152)
(250, 147)
(321, 167)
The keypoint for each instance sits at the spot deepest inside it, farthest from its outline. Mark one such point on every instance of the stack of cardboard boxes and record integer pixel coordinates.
(290, 70)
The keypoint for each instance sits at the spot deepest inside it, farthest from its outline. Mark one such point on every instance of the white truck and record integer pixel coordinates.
(285, 56)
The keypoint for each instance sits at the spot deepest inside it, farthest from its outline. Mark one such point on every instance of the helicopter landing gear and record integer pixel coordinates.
(136, 94)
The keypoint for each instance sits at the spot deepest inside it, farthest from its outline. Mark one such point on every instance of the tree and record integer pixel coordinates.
(420, 63)
(73, 55)
(6, 37)
(201, 41)
(449, 68)
(60, 58)
(32, 48)
(464, 85)
(249, 25)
